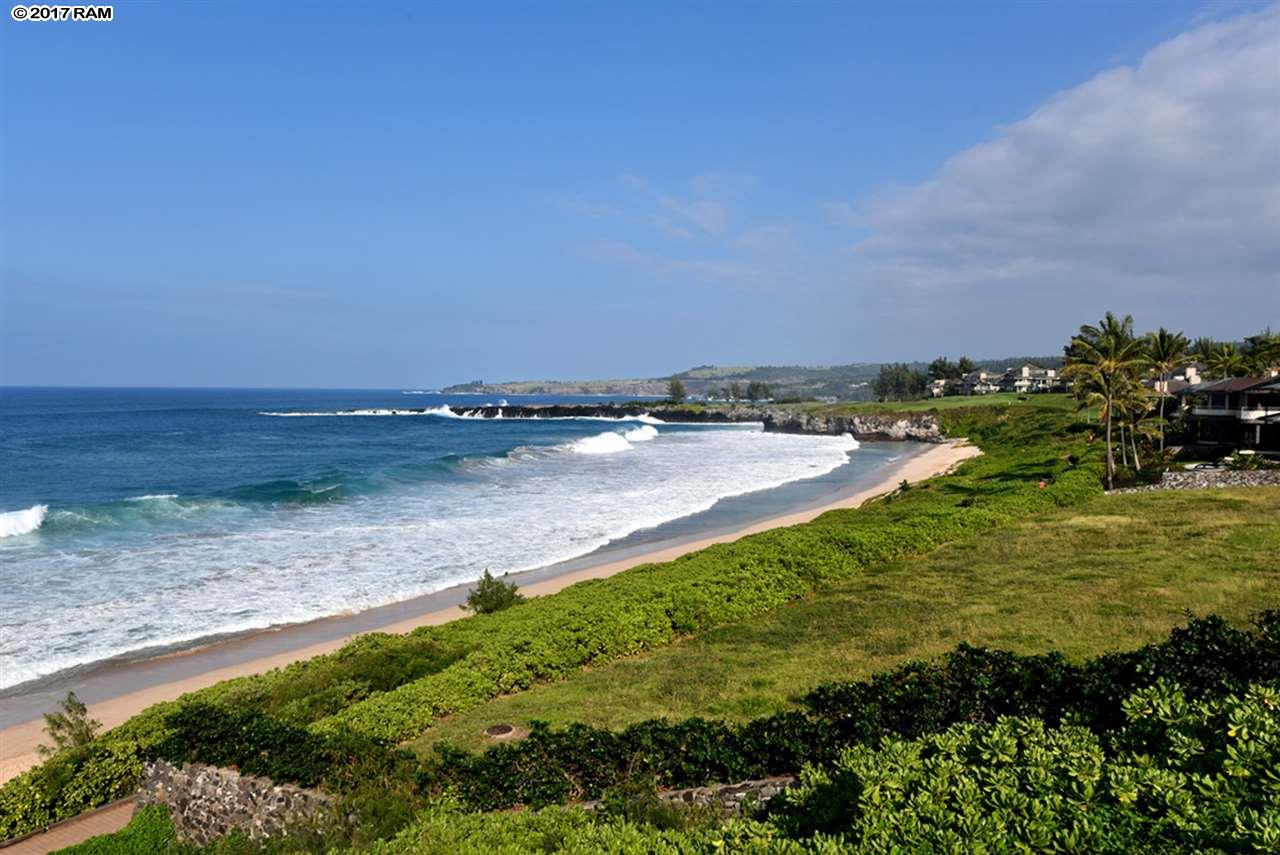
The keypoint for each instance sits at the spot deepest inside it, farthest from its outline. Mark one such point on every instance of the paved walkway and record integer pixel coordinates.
(104, 820)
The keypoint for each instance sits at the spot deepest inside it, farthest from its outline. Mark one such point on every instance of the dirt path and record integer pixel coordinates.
(104, 820)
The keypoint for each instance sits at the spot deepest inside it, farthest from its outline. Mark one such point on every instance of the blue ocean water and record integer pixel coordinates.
(138, 518)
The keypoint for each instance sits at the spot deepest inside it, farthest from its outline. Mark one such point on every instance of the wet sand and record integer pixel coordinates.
(116, 691)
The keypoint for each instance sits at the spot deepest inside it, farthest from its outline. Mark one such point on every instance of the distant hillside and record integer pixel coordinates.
(846, 382)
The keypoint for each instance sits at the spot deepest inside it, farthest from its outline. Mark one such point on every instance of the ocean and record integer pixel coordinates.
(133, 520)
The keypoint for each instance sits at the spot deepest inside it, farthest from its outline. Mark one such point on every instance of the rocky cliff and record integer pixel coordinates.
(921, 427)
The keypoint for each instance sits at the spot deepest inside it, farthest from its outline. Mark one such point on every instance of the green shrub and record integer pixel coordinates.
(70, 728)
(444, 829)
(1180, 775)
(1187, 776)
(493, 595)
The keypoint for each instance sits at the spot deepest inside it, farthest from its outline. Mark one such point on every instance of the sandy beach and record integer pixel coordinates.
(166, 677)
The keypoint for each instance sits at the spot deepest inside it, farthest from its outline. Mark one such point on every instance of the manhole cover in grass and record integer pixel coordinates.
(499, 730)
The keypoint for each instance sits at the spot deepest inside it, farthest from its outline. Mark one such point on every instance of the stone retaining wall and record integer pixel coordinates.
(206, 802)
(732, 799)
(1203, 479)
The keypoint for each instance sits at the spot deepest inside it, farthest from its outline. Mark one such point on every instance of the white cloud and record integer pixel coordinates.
(1160, 177)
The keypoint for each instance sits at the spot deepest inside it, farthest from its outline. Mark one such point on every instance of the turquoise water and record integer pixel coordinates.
(133, 519)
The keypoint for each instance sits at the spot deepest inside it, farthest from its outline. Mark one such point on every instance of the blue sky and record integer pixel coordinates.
(411, 195)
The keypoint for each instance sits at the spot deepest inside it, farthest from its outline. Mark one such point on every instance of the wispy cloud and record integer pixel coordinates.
(707, 215)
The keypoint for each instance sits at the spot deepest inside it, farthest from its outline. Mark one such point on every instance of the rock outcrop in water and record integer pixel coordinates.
(920, 427)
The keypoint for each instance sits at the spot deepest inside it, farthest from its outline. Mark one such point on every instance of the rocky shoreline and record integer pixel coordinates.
(870, 427)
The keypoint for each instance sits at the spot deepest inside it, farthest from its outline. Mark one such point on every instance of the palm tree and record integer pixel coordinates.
(1226, 360)
(1103, 361)
(1133, 412)
(1263, 351)
(1165, 352)
(1203, 348)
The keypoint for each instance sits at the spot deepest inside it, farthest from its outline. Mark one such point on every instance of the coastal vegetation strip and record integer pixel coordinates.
(1172, 747)
(392, 687)
(970, 685)
(1033, 462)
(1109, 574)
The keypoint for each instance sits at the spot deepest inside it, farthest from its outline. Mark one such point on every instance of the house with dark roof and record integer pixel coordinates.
(1241, 412)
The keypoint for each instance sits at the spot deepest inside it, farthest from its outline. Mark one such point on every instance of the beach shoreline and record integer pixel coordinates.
(125, 689)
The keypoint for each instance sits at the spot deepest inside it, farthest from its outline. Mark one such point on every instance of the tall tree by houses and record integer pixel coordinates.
(1227, 360)
(1105, 362)
(1166, 351)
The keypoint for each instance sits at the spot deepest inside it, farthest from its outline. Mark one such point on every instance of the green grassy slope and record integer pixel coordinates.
(1112, 574)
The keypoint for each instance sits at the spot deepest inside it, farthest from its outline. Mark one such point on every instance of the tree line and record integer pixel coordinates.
(756, 390)
(898, 381)
(1107, 364)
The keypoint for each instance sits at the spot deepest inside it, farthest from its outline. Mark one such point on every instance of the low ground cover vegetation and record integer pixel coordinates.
(968, 686)
(1164, 770)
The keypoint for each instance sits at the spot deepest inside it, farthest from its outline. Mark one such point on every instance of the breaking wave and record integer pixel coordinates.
(602, 443)
(644, 433)
(13, 523)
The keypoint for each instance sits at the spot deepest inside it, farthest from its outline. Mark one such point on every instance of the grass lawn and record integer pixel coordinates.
(1112, 574)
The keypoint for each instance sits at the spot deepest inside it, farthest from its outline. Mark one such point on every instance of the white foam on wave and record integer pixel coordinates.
(152, 497)
(434, 411)
(644, 433)
(13, 523)
(448, 412)
(608, 442)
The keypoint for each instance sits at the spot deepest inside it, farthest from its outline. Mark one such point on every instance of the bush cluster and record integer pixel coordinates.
(1177, 775)
(493, 595)
(970, 685)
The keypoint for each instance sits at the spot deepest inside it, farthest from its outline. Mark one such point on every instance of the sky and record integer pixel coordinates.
(410, 195)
